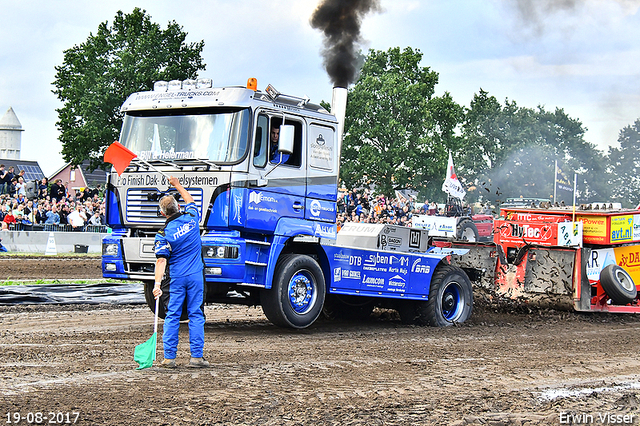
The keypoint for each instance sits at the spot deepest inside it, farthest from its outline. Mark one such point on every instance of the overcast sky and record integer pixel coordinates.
(579, 55)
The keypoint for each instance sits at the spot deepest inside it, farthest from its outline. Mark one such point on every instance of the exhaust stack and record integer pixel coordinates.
(339, 109)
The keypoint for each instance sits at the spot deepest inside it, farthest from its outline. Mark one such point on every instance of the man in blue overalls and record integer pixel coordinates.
(178, 244)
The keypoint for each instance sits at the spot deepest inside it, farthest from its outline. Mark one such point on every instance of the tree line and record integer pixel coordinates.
(398, 133)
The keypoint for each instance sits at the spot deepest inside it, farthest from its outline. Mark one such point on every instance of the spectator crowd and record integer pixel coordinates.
(45, 206)
(364, 208)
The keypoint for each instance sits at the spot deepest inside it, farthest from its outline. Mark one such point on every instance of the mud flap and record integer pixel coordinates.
(582, 296)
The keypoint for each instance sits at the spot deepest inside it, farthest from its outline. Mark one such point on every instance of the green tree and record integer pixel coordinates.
(623, 169)
(98, 75)
(396, 131)
(510, 151)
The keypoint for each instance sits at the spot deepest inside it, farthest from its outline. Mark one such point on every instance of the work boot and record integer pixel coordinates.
(198, 363)
(168, 363)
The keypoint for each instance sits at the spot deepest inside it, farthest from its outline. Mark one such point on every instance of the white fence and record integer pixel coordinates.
(63, 242)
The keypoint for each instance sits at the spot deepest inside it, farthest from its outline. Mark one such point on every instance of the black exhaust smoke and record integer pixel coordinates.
(340, 21)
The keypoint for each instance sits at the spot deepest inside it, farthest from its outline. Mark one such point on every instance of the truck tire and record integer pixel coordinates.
(162, 307)
(618, 285)
(337, 306)
(450, 298)
(467, 231)
(297, 295)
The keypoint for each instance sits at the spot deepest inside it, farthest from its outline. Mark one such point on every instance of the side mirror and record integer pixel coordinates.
(285, 143)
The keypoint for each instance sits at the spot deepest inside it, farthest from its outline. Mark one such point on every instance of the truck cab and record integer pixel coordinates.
(252, 198)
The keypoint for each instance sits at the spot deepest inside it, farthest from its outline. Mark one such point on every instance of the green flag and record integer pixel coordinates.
(145, 353)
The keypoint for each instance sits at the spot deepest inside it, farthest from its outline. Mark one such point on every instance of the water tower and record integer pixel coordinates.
(10, 136)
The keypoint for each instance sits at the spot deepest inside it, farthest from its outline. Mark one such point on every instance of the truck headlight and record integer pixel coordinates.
(220, 252)
(110, 249)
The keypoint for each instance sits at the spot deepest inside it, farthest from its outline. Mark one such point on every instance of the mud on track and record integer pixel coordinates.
(500, 368)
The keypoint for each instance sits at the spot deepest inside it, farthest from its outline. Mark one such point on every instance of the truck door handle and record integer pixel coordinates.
(297, 205)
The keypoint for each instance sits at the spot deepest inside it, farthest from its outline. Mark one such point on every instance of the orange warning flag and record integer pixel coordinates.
(118, 155)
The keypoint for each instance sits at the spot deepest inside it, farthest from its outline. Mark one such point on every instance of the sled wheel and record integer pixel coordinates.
(450, 298)
(467, 231)
(297, 294)
(618, 285)
(337, 306)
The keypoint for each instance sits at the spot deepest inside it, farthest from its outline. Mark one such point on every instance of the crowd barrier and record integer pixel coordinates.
(52, 241)
(57, 228)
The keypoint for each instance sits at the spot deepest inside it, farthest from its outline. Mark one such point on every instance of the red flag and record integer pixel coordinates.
(118, 155)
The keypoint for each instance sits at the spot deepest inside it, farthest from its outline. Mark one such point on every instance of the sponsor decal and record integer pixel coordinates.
(390, 241)
(397, 283)
(315, 208)
(414, 238)
(341, 257)
(621, 228)
(325, 231)
(536, 232)
(155, 180)
(321, 152)
(337, 275)
(258, 197)
(373, 281)
(159, 246)
(351, 275)
(237, 207)
(167, 155)
(184, 229)
(594, 228)
(419, 268)
(175, 95)
(378, 262)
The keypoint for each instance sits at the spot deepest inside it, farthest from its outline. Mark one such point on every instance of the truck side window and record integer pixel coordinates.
(295, 158)
(260, 149)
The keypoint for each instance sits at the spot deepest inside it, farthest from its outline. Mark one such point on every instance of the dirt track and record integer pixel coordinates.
(499, 368)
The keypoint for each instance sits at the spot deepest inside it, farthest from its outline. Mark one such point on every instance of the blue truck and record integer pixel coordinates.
(268, 210)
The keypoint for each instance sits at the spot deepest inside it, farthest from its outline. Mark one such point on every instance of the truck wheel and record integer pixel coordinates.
(618, 285)
(467, 231)
(450, 298)
(162, 311)
(337, 306)
(296, 297)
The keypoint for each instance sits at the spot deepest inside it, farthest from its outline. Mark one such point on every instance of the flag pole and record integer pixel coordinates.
(555, 182)
(153, 167)
(575, 182)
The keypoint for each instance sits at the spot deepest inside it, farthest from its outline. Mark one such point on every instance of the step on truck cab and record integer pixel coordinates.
(263, 170)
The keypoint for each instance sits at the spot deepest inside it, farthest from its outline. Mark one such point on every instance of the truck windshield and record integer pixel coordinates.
(220, 136)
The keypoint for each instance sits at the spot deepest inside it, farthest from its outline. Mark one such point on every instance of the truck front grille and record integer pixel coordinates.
(142, 204)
